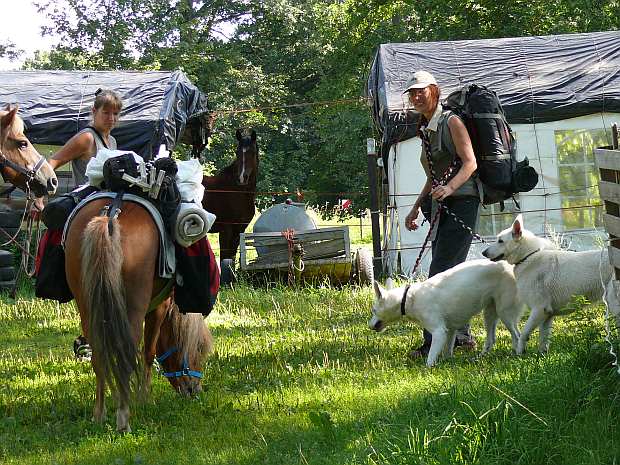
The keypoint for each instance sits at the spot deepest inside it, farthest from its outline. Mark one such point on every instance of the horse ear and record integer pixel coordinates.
(7, 120)
(238, 134)
(253, 135)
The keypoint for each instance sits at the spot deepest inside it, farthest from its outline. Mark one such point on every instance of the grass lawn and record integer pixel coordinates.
(298, 378)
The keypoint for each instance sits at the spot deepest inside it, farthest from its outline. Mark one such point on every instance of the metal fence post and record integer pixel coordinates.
(374, 206)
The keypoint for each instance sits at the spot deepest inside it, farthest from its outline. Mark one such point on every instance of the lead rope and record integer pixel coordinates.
(27, 257)
(289, 235)
(426, 147)
(28, 262)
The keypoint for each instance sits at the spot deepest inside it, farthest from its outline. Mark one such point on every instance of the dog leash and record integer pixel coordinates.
(436, 181)
(404, 299)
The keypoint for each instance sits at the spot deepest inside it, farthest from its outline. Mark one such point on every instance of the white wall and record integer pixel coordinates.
(541, 206)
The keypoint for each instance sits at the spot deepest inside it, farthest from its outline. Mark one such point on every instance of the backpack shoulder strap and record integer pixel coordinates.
(443, 132)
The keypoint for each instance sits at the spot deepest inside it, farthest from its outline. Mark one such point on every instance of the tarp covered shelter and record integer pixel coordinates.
(159, 107)
(538, 79)
(561, 95)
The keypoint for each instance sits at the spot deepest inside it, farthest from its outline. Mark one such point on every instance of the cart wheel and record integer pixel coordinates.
(8, 233)
(7, 273)
(6, 258)
(10, 219)
(7, 285)
(227, 272)
(364, 266)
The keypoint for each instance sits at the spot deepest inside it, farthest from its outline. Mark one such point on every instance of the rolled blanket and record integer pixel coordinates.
(192, 223)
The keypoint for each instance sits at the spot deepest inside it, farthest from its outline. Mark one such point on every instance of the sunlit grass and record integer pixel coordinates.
(297, 377)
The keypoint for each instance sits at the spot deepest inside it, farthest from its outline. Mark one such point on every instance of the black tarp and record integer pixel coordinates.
(157, 105)
(538, 79)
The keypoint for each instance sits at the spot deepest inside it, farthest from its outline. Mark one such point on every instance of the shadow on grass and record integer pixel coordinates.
(530, 414)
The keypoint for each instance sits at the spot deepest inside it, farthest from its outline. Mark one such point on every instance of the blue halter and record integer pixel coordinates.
(185, 371)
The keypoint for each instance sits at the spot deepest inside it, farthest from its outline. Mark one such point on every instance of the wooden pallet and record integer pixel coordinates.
(608, 163)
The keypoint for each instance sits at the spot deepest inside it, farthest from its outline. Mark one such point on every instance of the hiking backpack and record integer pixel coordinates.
(501, 175)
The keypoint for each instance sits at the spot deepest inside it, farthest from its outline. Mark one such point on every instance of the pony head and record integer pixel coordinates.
(20, 163)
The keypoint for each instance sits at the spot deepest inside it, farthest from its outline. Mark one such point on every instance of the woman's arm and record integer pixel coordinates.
(79, 146)
(465, 152)
(410, 220)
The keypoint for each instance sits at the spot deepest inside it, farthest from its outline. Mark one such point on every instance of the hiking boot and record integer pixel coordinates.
(420, 352)
(465, 344)
(81, 349)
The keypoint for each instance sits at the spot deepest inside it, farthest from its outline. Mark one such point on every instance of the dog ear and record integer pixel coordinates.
(517, 227)
(379, 290)
(389, 283)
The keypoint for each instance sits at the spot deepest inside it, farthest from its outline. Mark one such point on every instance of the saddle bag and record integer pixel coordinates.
(56, 212)
(113, 170)
(198, 278)
(51, 280)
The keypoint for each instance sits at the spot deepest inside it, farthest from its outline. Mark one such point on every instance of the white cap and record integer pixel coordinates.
(420, 80)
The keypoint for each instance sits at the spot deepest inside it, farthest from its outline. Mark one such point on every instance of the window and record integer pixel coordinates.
(578, 177)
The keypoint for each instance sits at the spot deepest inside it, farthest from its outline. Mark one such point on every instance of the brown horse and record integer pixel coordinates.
(111, 266)
(231, 192)
(20, 163)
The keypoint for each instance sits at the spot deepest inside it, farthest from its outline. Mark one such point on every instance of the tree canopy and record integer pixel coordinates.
(293, 70)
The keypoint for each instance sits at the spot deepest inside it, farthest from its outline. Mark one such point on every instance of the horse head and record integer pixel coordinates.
(246, 163)
(183, 345)
(20, 163)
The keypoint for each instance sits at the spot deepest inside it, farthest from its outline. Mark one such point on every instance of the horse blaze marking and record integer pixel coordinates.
(242, 174)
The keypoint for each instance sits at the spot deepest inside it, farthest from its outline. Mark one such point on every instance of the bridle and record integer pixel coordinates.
(27, 263)
(185, 371)
(29, 174)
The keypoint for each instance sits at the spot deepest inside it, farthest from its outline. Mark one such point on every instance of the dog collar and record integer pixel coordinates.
(402, 302)
(526, 257)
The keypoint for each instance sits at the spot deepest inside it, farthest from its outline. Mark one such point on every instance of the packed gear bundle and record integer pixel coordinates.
(499, 172)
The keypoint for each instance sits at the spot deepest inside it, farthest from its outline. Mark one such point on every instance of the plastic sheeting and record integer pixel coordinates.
(538, 79)
(56, 104)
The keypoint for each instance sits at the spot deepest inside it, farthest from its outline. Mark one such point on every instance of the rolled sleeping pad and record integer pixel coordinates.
(192, 223)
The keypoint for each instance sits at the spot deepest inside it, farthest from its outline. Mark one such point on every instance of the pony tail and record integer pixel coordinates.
(110, 336)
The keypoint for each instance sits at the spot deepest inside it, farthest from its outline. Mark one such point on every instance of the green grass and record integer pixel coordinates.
(297, 377)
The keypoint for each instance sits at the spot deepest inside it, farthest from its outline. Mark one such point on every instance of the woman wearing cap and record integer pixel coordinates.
(79, 150)
(446, 143)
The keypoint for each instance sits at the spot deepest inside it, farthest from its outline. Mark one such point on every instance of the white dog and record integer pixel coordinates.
(547, 277)
(447, 301)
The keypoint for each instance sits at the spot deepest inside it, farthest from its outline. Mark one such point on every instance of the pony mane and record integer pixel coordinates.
(190, 332)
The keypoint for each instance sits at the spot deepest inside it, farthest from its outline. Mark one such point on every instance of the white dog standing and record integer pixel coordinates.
(448, 300)
(547, 277)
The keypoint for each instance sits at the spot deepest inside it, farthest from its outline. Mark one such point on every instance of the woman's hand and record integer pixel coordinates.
(441, 192)
(37, 207)
(410, 220)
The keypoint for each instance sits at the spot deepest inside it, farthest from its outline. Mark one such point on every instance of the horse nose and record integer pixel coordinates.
(52, 185)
